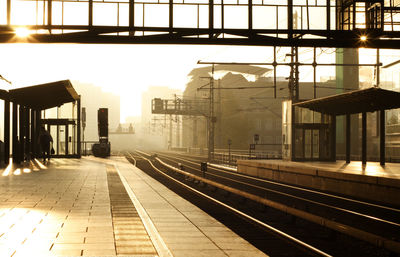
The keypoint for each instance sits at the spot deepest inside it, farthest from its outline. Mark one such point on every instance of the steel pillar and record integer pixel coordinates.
(382, 131)
(27, 134)
(33, 139)
(14, 132)
(78, 141)
(348, 138)
(6, 132)
(21, 143)
(333, 138)
(364, 138)
(66, 139)
(38, 116)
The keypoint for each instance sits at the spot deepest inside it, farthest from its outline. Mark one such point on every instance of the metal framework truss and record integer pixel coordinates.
(179, 107)
(323, 23)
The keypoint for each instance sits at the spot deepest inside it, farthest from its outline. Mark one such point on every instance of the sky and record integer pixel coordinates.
(126, 70)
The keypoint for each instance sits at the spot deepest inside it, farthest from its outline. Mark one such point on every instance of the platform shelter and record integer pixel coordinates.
(359, 101)
(23, 116)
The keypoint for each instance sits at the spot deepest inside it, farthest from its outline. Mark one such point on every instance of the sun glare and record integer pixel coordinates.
(22, 32)
(17, 172)
(9, 169)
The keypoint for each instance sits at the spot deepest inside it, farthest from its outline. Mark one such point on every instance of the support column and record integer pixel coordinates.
(333, 138)
(33, 138)
(27, 134)
(49, 13)
(171, 16)
(290, 18)
(90, 15)
(14, 132)
(170, 133)
(348, 137)
(364, 138)
(382, 131)
(6, 132)
(38, 116)
(66, 140)
(293, 132)
(78, 133)
(21, 148)
(131, 17)
(211, 18)
(178, 131)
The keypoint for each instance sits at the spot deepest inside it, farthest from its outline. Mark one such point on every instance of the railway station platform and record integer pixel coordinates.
(104, 207)
(370, 181)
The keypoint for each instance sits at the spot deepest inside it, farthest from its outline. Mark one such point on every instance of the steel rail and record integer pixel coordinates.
(282, 234)
(133, 158)
(308, 200)
(298, 188)
(378, 241)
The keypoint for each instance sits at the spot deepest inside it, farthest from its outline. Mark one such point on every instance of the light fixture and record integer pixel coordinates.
(363, 38)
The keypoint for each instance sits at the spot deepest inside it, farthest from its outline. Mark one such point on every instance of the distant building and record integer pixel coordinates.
(243, 108)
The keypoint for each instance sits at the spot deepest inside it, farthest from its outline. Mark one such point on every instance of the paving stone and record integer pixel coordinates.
(199, 253)
(67, 209)
(99, 239)
(67, 252)
(244, 253)
(99, 252)
(69, 240)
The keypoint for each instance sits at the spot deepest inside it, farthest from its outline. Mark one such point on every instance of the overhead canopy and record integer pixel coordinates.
(44, 96)
(364, 100)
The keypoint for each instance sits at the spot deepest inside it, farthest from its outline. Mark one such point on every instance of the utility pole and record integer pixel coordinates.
(178, 131)
(170, 133)
(294, 75)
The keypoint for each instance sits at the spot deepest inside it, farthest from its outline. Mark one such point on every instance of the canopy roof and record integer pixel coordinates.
(358, 101)
(44, 96)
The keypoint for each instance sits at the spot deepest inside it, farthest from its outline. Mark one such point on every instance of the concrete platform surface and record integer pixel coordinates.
(338, 168)
(371, 181)
(104, 207)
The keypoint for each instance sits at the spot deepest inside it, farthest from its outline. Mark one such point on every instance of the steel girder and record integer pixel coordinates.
(342, 24)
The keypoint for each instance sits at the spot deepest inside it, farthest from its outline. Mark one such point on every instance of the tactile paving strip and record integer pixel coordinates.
(130, 235)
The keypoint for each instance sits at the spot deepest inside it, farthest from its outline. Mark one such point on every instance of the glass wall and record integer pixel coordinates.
(62, 124)
(311, 134)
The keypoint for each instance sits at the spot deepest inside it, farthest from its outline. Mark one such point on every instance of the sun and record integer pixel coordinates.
(22, 32)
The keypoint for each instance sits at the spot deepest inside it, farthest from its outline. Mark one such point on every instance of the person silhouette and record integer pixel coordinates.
(44, 141)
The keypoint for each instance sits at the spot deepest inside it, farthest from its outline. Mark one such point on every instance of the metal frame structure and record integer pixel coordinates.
(359, 101)
(21, 128)
(323, 23)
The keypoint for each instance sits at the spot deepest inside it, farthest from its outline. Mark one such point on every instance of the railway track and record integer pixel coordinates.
(299, 210)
